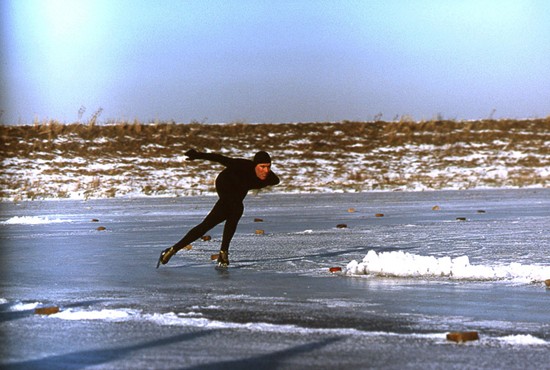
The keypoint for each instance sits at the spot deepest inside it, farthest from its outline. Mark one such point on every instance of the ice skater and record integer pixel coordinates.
(232, 185)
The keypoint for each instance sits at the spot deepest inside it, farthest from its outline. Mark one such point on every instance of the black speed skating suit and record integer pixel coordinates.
(232, 185)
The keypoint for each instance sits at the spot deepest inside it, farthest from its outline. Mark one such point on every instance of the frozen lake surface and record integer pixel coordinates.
(277, 305)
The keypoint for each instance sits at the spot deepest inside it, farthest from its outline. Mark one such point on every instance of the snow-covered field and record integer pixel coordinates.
(122, 160)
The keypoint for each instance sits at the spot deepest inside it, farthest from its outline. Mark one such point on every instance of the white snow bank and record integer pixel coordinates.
(401, 264)
(522, 339)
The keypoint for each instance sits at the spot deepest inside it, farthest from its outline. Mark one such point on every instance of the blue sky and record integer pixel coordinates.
(274, 61)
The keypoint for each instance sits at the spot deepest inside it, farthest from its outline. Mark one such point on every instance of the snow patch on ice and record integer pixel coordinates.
(20, 306)
(196, 320)
(186, 319)
(105, 314)
(523, 339)
(30, 220)
(402, 264)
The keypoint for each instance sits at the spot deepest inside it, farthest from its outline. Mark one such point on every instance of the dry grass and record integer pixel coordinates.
(347, 156)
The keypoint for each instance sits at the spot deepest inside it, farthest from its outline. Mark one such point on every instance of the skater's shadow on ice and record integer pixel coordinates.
(84, 359)
(273, 360)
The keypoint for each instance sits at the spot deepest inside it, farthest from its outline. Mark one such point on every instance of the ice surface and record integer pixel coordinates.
(278, 303)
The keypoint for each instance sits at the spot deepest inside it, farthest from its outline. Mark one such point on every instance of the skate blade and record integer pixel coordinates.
(160, 258)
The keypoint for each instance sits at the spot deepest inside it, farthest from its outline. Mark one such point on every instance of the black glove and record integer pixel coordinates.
(192, 154)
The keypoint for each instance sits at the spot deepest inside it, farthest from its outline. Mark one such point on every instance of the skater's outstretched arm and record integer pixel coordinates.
(242, 166)
(214, 157)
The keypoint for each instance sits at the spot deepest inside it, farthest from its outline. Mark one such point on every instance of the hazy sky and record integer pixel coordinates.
(274, 61)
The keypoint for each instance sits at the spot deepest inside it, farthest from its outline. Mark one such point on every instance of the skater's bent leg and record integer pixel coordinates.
(235, 211)
(216, 216)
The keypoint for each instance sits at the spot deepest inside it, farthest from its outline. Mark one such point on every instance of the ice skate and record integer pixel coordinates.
(165, 256)
(223, 259)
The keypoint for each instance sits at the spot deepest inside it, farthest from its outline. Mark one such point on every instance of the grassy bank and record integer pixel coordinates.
(53, 160)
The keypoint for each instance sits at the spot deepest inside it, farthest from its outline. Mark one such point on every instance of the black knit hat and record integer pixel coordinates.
(262, 157)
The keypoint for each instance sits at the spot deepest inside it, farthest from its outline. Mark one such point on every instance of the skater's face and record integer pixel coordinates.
(262, 170)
